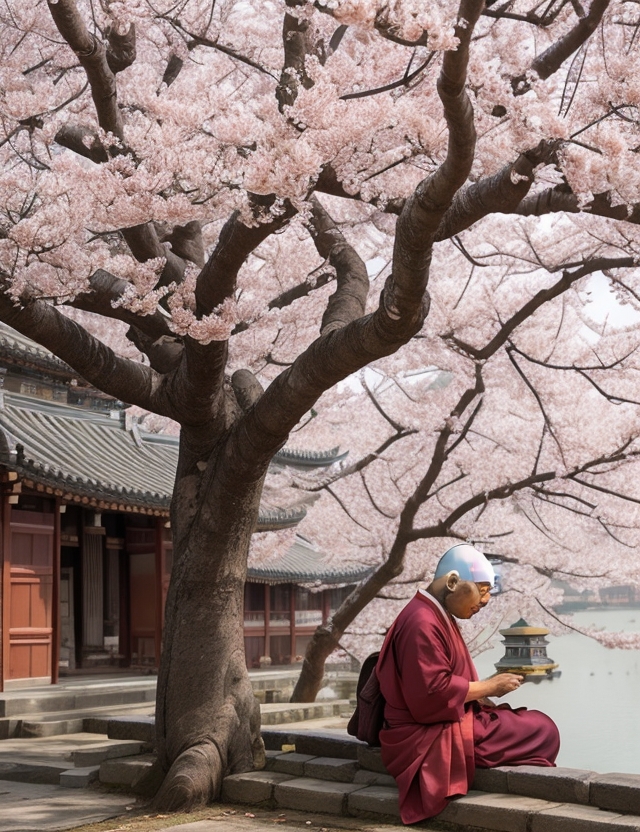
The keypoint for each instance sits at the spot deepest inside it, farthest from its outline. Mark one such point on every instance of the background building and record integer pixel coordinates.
(85, 542)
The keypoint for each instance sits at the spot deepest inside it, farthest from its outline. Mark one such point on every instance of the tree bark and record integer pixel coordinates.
(213, 517)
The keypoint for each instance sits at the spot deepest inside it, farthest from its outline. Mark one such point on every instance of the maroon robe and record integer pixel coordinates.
(432, 740)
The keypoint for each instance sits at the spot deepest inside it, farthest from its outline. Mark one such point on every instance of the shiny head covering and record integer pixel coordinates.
(468, 562)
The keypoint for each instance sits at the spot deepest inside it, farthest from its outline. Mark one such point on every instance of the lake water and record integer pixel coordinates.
(596, 700)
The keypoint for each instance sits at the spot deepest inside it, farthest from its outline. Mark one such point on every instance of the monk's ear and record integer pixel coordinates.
(453, 579)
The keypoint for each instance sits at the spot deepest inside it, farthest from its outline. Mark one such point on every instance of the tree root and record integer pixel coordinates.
(194, 779)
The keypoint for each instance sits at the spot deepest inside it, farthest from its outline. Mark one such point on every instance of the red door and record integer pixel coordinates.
(30, 596)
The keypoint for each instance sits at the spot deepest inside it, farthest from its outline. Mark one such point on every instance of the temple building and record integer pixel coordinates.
(85, 539)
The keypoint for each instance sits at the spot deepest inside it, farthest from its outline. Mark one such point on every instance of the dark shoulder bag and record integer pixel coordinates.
(368, 717)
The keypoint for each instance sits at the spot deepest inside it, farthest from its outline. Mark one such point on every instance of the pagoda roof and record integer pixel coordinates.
(96, 458)
(309, 459)
(302, 563)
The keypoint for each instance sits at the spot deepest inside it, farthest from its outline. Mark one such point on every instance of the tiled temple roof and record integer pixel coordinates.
(302, 563)
(94, 456)
(89, 457)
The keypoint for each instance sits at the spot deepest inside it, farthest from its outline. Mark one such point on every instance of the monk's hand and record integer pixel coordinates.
(505, 683)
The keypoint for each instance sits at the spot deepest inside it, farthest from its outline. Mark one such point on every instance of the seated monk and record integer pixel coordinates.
(439, 724)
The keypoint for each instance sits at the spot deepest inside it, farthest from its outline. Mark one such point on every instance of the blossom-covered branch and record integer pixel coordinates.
(92, 55)
(121, 378)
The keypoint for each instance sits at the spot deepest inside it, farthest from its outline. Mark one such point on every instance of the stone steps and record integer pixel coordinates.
(353, 782)
(73, 761)
(79, 697)
(96, 720)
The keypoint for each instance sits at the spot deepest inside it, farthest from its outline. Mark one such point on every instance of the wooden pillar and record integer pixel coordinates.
(326, 605)
(92, 589)
(5, 587)
(267, 620)
(158, 588)
(292, 623)
(55, 597)
(124, 640)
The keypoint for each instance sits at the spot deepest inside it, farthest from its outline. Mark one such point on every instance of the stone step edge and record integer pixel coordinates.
(64, 702)
(612, 791)
(498, 812)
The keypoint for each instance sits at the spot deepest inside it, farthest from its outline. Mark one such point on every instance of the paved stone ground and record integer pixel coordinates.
(33, 807)
(28, 807)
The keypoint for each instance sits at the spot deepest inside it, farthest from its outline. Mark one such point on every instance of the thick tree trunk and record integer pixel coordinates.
(207, 718)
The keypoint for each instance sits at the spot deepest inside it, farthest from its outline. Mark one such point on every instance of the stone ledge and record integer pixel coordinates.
(141, 728)
(124, 771)
(290, 763)
(564, 785)
(310, 795)
(573, 818)
(106, 751)
(252, 787)
(328, 745)
(381, 800)
(79, 778)
(477, 810)
(331, 768)
(616, 791)
(497, 812)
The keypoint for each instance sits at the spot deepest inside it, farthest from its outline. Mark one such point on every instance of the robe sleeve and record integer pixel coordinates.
(432, 691)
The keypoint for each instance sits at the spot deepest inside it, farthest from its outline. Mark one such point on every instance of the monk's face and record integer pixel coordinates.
(467, 598)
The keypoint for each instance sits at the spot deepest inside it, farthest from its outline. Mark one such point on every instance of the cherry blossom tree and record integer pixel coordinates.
(213, 177)
(531, 452)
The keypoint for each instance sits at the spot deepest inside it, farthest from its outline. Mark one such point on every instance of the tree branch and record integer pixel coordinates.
(561, 198)
(500, 493)
(296, 39)
(105, 289)
(93, 58)
(423, 211)
(501, 193)
(403, 304)
(552, 58)
(543, 296)
(217, 280)
(121, 51)
(349, 300)
(96, 363)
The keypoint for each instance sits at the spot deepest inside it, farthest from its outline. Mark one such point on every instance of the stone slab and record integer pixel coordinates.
(252, 786)
(310, 795)
(51, 728)
(141, 728)
(369, 758)
(497, 812)
(79, 778)
(371, 778)
(491, 780)
(331, 768)
(327, 745)
(380, 800)
(105, 751)
(561, 785)
(291, 763)
(124, 771)
(616, 791)
(574, 818)
(27, 772)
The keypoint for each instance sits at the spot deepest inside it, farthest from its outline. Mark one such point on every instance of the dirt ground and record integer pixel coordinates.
(225, 818)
